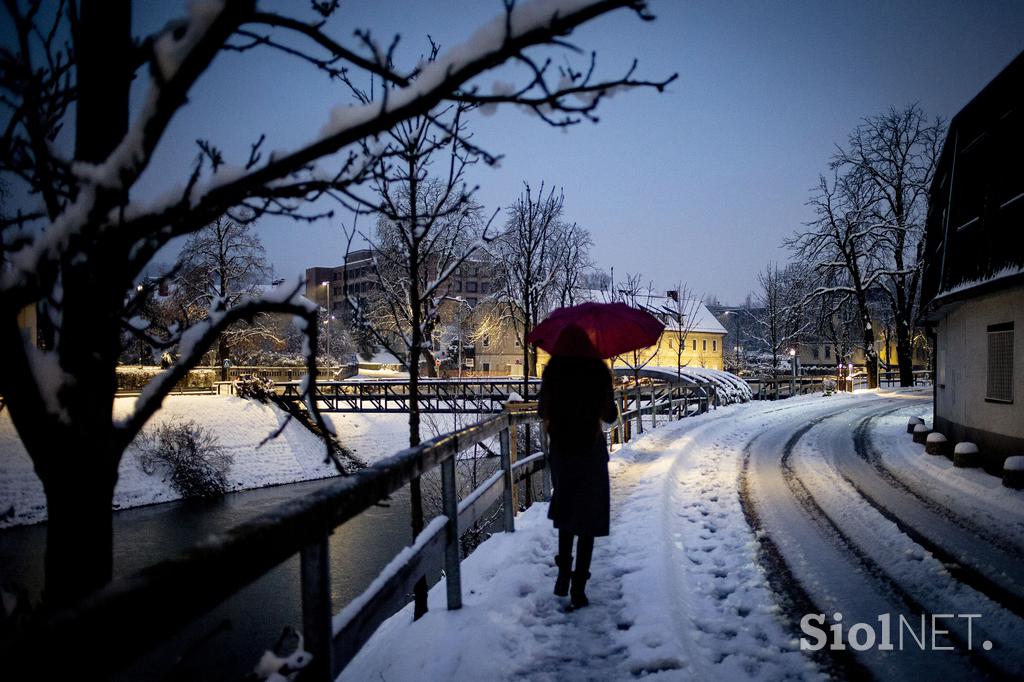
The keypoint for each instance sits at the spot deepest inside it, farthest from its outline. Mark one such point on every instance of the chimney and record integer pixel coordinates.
(673, 294)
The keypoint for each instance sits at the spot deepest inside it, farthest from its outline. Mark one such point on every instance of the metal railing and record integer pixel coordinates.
(159, 601)
(434, 396)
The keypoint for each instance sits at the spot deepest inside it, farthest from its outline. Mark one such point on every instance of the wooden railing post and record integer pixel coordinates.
(545, 476)
(452, 567)
(654, 407)
(513, 456)
(506, 468)
(316, 610)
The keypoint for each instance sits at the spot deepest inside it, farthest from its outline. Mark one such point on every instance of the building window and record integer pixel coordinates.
(471, 300)
(704, 345)
(471, 287)
(458, 286)
(714, 344)
(487, 367)
(486, 341)
(483, 287)
(828, 352)
(695, 344)
(814, 352)
(670, 344)
(1000, 363)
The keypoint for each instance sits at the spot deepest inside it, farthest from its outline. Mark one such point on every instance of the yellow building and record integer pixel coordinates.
(694, 341)
(697, 342)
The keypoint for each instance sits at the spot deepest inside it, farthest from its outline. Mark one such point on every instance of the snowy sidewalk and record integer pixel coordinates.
(677, 591)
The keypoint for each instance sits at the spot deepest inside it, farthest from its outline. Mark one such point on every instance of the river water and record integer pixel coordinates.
(226, 643)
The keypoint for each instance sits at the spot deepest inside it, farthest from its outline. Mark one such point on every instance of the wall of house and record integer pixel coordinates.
(699, 350)
(961, 411)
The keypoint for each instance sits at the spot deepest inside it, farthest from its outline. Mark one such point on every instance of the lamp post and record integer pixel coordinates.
(330, 314)
(792, 378)
(142, 345)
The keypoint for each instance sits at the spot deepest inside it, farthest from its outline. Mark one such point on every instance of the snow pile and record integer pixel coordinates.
(240, 425)
(936, 437)
(729, 387)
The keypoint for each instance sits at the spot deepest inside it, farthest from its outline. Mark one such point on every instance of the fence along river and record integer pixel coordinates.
(172, 597)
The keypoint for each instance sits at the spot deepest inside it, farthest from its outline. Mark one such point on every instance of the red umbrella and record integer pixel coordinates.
(596, 329)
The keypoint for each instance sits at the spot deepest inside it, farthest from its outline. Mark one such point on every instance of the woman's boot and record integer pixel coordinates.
(578, 595)
(564, 564)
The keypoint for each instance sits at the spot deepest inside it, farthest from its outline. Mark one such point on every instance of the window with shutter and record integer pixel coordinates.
(999, 387)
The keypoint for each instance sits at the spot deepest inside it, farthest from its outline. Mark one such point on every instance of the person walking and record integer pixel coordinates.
(575, 396)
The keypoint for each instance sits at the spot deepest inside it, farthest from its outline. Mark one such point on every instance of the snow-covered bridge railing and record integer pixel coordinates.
(142, 609)
(435, 396)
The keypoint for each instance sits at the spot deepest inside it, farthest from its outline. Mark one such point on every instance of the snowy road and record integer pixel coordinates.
(726, 530)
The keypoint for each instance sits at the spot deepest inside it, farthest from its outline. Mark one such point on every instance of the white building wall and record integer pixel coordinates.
(962, 367)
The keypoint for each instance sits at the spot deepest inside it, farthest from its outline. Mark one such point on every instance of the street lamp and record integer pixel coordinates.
(792, 363)
(330, 312)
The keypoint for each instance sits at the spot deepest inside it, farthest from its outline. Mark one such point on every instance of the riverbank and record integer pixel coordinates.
(240, 426)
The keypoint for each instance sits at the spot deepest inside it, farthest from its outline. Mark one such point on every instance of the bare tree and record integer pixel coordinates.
(840, 249)
(681, 314)
(79, 238)
(633, 293)
(223, 262)
(780, 318)
(527, 254)
(572, 263)
(426, 228)
(896, 153)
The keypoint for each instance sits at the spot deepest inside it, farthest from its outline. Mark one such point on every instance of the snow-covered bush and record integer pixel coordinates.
(255, 388)
(187, 453)
(136, 378)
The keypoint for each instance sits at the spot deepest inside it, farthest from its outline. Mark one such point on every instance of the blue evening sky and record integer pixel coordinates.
(699, 184)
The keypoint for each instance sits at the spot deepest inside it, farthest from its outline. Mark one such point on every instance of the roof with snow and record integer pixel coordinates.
(696, 316)
(977, 197)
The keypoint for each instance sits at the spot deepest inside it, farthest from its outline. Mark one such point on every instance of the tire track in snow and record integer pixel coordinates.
(882, 550)
(1005, 583)
(830, 571)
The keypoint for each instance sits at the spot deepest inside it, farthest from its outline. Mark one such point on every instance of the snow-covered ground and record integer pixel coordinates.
(240, 425)
(681, 589)
(676, 589)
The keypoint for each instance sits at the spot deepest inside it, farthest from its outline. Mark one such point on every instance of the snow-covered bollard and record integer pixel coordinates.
(1013, 472)
(936, 444)
(914, 421)
(966, 455)
(921, 433)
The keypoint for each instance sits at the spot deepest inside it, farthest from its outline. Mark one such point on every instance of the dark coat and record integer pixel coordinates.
(579, 473)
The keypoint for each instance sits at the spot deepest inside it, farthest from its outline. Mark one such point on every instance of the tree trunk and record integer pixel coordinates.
(222, 356)
(870, 357)
(79, 531)
(415, 347)
(905, 355)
